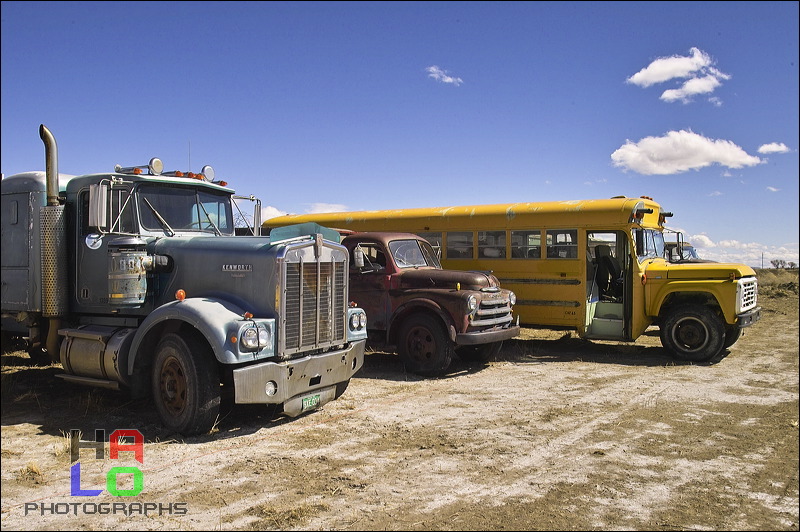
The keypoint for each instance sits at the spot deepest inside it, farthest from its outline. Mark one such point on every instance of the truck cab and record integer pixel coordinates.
(426, 313)
(135, 279)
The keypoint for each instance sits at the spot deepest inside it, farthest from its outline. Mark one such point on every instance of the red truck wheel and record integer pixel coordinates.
(424, 346)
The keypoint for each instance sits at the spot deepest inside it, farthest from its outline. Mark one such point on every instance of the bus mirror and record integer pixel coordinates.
(358, 257)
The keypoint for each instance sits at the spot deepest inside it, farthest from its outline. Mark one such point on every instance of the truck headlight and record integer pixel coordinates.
(358, 320)
(256, 338)
(512, 298)
(472, 303)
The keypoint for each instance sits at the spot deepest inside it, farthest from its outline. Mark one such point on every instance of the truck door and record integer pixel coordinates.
(369, 284)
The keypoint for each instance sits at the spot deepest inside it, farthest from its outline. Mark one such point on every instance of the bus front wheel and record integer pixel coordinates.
(424, 346)
(732, 333)
(694, 333)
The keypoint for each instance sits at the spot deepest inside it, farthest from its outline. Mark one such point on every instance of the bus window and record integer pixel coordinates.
(562, 244)
(526, 244)
(492, 244)
(459, 245)
(435, 240)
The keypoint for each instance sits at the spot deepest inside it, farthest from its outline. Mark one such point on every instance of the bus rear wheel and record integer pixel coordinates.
(424, 346)
(693, 332)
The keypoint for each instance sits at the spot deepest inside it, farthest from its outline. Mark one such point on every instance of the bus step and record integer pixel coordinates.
(606, 327)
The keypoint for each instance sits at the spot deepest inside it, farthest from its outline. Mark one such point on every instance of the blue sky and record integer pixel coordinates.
(315, 106)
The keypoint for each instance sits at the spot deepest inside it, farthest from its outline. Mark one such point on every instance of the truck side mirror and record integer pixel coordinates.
(98, 214)
(358, 257)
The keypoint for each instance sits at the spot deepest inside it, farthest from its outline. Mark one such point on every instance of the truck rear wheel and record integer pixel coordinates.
(693, 332)
(424, 346)
(479, 353)
(185, 383)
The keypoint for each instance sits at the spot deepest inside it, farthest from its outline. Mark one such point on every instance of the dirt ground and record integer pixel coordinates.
(557, 434)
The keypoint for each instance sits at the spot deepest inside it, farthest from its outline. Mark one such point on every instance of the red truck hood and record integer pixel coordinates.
(434, 278)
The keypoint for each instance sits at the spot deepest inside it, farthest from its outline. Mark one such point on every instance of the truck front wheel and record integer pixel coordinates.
(692, 332)
(185, 383)
(424, 346)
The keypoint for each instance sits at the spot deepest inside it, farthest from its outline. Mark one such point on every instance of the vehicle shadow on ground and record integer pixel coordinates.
(34, 395)
(389, 366)
(568, 349)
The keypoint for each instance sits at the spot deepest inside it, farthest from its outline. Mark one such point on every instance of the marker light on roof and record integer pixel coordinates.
(154, 167)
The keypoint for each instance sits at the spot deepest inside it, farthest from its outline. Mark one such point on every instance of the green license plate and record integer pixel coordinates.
(310, 403)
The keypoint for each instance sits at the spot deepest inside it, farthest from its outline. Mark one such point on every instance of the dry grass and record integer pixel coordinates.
(777, 282)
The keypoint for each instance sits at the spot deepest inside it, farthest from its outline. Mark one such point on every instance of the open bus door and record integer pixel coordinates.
(609, 279)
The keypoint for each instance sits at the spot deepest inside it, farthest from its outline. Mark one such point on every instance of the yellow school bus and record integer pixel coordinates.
(595, 266)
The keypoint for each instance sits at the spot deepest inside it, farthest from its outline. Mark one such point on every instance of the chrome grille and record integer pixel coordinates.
(493, 311)
(315, 305)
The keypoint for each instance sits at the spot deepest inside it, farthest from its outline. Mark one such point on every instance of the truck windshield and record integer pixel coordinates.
(649, 243)
(413, 254)
(185, 209)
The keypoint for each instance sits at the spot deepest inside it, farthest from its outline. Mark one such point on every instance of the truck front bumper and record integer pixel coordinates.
(746, 319)
(487, 337)
(301, 384)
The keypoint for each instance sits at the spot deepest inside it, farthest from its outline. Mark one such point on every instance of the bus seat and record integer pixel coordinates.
(609, 273)
(534, 253)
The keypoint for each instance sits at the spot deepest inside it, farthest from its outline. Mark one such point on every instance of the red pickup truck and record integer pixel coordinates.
(423, 312)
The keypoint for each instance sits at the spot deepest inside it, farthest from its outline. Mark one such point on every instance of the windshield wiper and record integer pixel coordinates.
(208, 217)
(160, 218)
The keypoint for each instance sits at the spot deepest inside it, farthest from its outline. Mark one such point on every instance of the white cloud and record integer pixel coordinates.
(773, 189)
(271, 212)
(667, 68)
(774, 147)
(441, 75)
(703, 78)
(679, 151)
(753, 254)
(716, 193)
(318, 208)
(691, 88)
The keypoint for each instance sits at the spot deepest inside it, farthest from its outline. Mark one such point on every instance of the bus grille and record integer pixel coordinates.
(748, 294)
(316, 305)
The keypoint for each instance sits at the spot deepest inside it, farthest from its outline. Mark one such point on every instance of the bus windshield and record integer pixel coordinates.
(649, 243)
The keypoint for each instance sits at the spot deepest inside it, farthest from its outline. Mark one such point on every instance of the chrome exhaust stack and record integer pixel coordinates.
(53, 247)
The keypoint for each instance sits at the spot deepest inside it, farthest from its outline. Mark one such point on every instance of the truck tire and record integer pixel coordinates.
(732, 333)
(479, 353)
(424, 346)
(693, 332)
(185, 383)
